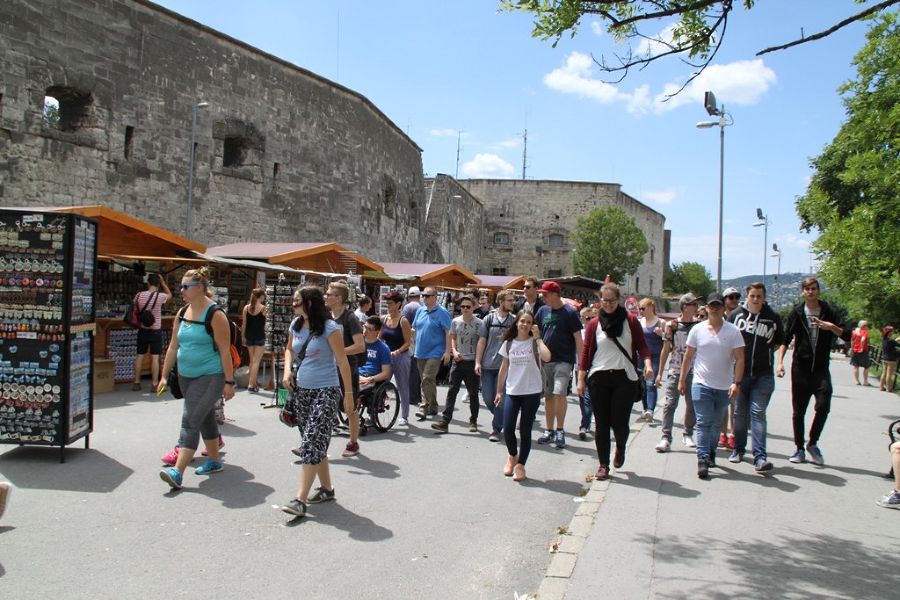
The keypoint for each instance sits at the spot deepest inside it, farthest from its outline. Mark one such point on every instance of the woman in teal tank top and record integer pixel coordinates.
(205, 373)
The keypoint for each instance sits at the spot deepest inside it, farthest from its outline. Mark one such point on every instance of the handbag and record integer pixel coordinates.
(174, 384)
(288, 413)
(641, 387)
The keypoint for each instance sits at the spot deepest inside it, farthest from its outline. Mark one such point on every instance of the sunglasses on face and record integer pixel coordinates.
(185, 286)
(429, 295)
(733, 297)
(466, 307)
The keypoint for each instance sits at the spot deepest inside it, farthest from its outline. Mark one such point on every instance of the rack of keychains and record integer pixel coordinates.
(279, 301)
(48, 263)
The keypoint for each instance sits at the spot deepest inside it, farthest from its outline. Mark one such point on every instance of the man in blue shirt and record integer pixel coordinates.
(561, 331)
(432, 325)
(378, 365)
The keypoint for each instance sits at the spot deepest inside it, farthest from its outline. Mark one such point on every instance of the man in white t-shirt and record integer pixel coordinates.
(715, 350)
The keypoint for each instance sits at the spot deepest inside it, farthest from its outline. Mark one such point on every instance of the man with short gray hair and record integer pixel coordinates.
(674, 345)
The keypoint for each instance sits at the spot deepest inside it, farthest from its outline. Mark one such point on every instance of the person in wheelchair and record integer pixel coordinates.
(378, 367)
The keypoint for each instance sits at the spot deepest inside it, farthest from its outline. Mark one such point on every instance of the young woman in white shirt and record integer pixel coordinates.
(521, 376)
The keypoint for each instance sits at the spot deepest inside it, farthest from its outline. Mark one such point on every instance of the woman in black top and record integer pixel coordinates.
(890, 352)
(253, 330)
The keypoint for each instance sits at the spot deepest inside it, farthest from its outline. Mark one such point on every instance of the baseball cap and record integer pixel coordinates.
(715, 297)
(730, 291)
(550, 286)
(688, 298)
(414, 291)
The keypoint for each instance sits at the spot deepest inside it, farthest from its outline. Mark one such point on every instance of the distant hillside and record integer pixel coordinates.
(780, 293)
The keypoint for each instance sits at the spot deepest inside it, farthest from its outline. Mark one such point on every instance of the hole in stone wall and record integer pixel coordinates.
(234, 151)
(275, 167)
(129, 141)
(67, 108)
(498, 271)
(551, 273)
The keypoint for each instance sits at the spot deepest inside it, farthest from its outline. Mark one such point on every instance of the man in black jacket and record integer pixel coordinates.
(763, 332)
(812, 327)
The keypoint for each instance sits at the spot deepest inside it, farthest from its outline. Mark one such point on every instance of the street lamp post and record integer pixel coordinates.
(725, 119)
(450, 226)
(190, 193)
(777, 252)
(763, 221)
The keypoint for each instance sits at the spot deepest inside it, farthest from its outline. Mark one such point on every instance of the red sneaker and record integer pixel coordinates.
(221, 443)
(171, 458)
(723, 439)
(729, 443)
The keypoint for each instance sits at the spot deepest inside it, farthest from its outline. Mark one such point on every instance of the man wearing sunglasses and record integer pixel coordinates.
(532, 300)
(674, 346)
(467, 339)
(432, 325)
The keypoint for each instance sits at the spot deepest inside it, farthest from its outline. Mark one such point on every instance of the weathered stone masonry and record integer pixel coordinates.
(282, 154)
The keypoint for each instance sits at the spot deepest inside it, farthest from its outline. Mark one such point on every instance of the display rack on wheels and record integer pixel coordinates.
(47, 291)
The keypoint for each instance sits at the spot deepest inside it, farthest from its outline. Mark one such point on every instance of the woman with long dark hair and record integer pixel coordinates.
(318, 346)
(397, 334)
(521, 377)
(608, 369)
(253, 330)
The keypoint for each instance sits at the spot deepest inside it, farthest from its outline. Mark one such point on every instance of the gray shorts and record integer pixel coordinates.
(556, 378)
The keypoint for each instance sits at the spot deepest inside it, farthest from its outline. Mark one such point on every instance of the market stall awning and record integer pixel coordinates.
(443, 275)
(121, 234)
(501, 282)
(315, 256)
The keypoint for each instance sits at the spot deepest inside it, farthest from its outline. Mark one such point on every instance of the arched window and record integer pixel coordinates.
(501, 238)
(556, 240)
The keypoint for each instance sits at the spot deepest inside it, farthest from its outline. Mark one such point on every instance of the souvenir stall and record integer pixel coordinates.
(450, 280)
(47, 285)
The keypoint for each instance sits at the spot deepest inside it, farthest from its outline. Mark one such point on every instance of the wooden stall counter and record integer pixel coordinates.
(117, 341)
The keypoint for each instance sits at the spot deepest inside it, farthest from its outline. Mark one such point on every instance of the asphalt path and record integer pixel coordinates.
(418, 514)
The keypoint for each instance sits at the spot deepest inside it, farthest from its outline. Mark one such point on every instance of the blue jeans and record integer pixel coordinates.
(586, 411)
(488, 393)
(512, 406)
(709, 404)
(756, 390)
(649, 400)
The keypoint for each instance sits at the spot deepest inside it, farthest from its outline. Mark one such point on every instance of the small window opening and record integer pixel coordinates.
(551, 273)
(498, 271)
(556, 240)
(637, 285)
(129, 141)
(66, 109)
(234, 152)
(501, 238)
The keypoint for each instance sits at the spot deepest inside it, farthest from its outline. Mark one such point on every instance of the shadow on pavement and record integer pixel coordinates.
(560, 486)
(797, 565)
(359, 528)
(234, 487)
(85, 470)
(653, 484)
(363, 465)
(229, 429)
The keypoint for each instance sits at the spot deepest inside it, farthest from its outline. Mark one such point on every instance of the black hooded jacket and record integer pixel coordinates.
(805, 356)
(762, 334)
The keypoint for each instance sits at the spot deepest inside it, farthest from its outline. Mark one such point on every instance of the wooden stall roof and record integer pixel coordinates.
(501, 282)
(121, 234)
(444, 275)
(315, 256)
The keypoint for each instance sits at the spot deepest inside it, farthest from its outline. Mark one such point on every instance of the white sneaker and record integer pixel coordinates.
(688, 441)
(648, 416)
(663, 445)
(401, 422)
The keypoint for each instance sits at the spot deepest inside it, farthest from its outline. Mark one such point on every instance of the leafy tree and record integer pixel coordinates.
(695, 36)
(607, 242)
(852, 197)
(689, 277)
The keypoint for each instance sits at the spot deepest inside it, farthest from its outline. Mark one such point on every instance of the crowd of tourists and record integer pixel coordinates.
(512, 355)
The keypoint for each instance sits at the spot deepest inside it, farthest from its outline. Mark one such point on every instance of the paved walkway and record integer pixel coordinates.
(802, 532)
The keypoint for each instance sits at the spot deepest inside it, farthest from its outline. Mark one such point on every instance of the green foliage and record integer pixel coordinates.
(852, 197)
(607, 242)
(689, 277)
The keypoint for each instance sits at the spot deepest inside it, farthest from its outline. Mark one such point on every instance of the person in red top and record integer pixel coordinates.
(150, 337)
(607, 366)
(859, 342)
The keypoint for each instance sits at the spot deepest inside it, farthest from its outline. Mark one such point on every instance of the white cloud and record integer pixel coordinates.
(488, 166)
(792, 240)
(657, 44)
(443, 132)
(660, 196)
(597, 28)
(742, 83)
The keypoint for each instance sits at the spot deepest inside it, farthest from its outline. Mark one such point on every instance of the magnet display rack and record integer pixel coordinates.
(48, 263)
(279, 300)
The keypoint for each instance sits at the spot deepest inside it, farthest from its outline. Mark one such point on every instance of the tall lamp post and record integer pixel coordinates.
(709, 102)
(763, 221)
(190, 194)
(777, 252)
(450, 226)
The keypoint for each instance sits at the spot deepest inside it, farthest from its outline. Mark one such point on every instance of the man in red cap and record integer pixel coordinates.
(561, 331)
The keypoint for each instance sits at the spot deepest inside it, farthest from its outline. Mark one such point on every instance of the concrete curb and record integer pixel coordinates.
(555, 583)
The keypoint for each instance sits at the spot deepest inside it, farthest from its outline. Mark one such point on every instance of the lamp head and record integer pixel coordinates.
(201, 104)
(759, 214)
(706, 124)
(775, 248)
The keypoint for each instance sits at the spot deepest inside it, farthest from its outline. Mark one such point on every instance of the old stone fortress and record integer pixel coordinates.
(280, 153)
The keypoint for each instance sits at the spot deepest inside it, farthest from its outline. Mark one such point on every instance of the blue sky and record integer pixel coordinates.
(436, 68)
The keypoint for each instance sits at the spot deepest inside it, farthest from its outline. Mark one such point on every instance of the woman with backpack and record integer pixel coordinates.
(521, 377)
(205, 372)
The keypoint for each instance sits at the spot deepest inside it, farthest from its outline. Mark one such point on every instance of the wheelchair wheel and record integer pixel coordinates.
(385, 406)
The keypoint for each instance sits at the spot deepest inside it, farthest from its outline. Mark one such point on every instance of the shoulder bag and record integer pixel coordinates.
(641, 387)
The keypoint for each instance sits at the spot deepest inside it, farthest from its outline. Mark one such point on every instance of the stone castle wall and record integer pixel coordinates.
(281, 154)
(528, 226)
